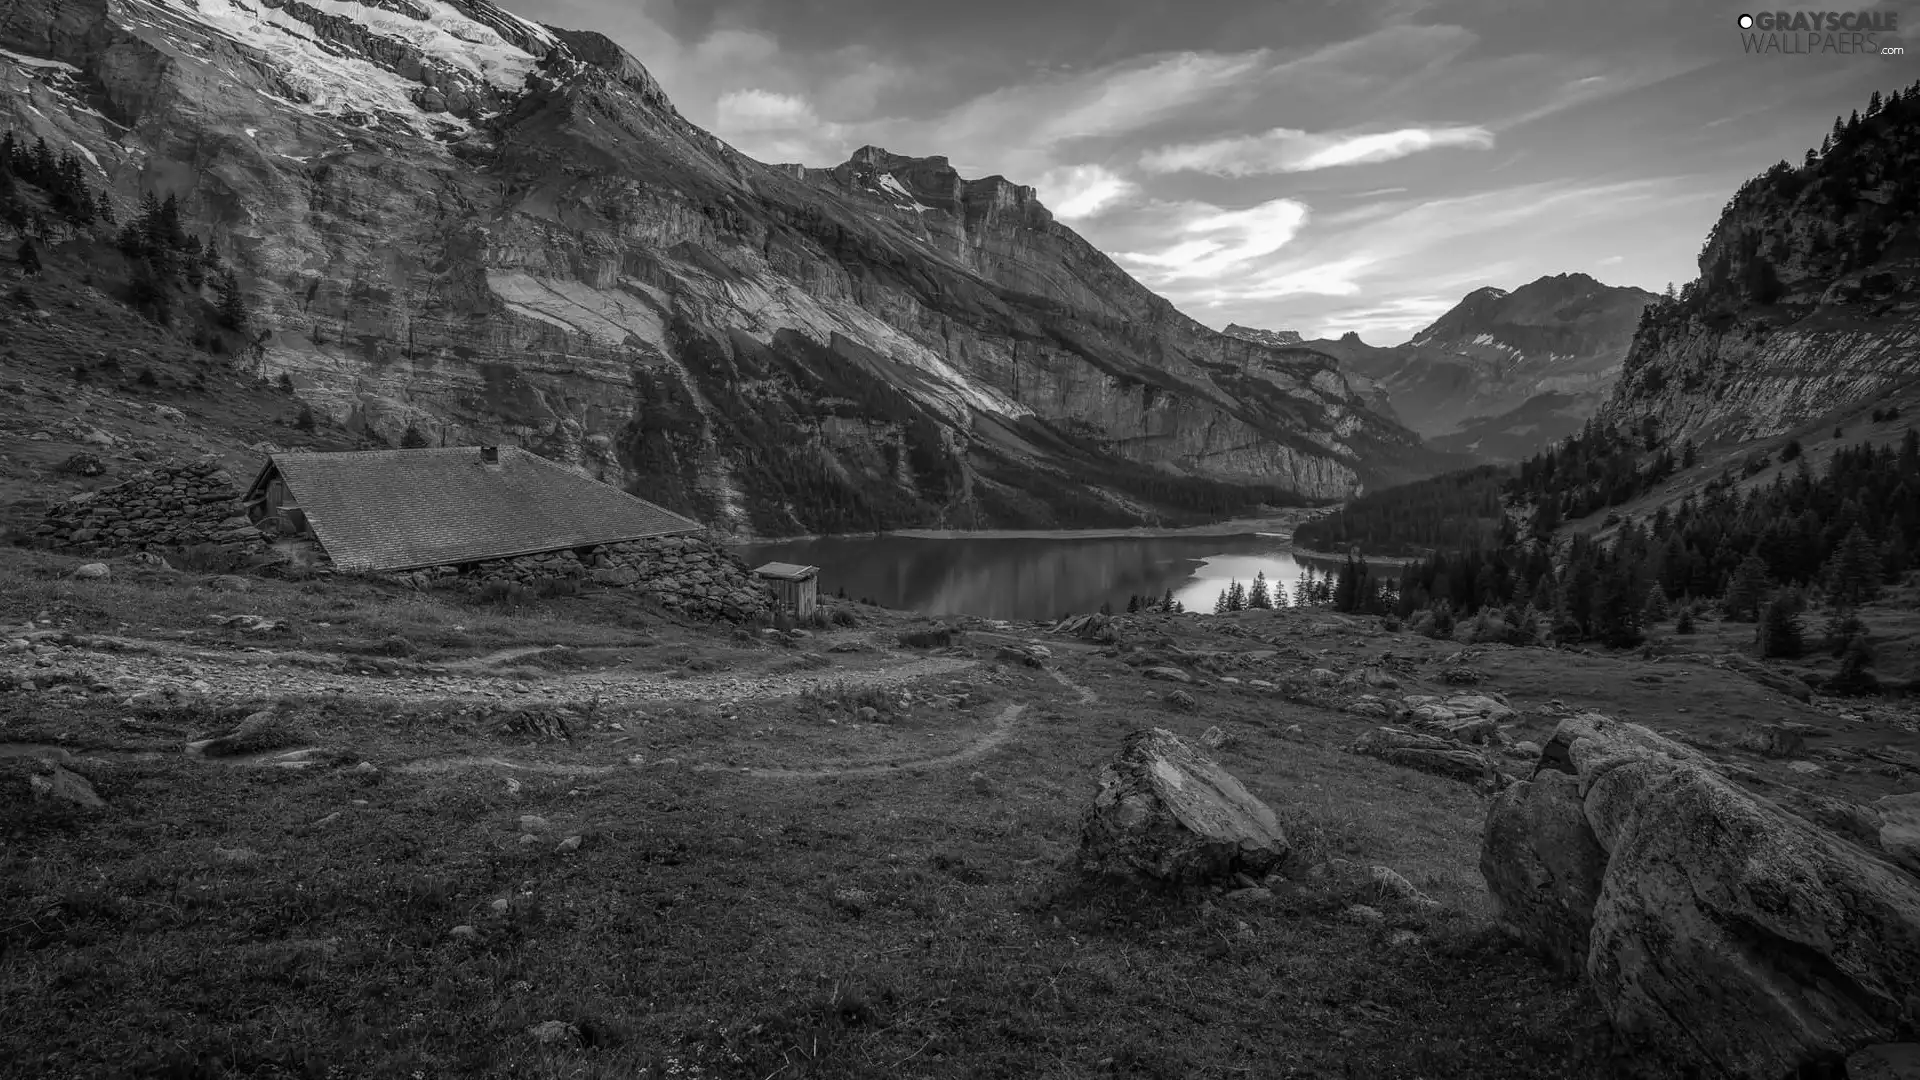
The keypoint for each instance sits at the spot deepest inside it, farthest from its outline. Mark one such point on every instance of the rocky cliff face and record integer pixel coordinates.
(1503, 374)
(487, 230)
(1278, 338)
(1808, 298)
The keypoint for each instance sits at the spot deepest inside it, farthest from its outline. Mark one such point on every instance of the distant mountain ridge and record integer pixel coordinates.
(1503, 373)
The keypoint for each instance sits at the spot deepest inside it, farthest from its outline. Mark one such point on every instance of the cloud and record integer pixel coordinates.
(1076, 192)
(1210, 242)
(1289, 150)
(774, 126)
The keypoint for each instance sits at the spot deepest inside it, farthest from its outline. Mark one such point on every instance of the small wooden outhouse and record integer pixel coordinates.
(795, 588)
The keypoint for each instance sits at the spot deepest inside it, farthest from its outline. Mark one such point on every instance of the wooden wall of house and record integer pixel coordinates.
(798, 598)
(277, 503)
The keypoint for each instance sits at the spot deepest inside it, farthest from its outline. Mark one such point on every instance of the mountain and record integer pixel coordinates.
(1503, 374)
(454, 222)
(1808, 299)
(1276, 338)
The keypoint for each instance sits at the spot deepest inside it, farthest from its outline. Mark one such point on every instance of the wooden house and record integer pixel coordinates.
(795, 588)
(392, 510)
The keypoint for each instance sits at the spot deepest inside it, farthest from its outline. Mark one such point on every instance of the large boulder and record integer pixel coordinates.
(1900, 828)
(1167, 812)
(1543, 866)
(1725, 931)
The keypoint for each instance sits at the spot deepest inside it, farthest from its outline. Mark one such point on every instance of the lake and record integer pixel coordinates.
(1030, 578)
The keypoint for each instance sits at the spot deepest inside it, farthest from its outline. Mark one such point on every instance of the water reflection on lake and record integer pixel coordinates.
(1033, 578)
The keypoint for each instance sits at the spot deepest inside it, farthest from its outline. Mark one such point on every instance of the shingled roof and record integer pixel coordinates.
(405, 509)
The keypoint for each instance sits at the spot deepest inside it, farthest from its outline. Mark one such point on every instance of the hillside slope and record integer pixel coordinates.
(1808, 298)
(453, 220)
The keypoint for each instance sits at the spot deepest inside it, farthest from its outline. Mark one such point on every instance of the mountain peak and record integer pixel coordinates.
(1272, 338)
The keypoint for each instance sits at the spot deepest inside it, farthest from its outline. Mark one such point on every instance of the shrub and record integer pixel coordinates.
(306, 420)
(549, 588)
(147, 378)
(843, 617)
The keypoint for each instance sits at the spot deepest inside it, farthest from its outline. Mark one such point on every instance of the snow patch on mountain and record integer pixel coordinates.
(38, 62)
(446, 36)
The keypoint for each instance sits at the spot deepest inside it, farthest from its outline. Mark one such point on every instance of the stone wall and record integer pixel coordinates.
(173, 506)
(686, 574)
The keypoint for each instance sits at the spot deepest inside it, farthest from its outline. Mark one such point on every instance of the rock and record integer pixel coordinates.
(1725, 930)
(1543, 866)
(1363, 913)
(1029, 655)
(230, 583)
(59, 784)
(1427, 753)
(1253, 895)
(550, 1032)
(1165, 811)
(571, 843)
(1400, 888)
(532, 823)
(866, 714)
(1403, 939)
(366, 768)
(93, 571)
(236, 855)
(1887, 1061)
(1180, 699)
(1323, 676)
(1900, 828)
(1773, 740)
(463, 933)
(1167, 674)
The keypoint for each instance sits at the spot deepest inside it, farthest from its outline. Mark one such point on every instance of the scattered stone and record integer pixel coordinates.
(1403, 939)
(1180, 699)
(549, 1032)
(1400, 888)
(235, 855)
(93, 571)
(63, 785)
(1167, 674)
(1773, 740)
(1165, 811)
(1362, 913)
(463, 933)
(1426, 753)
(571, 843)
(366, 768)
(532, 823)
(1254, 895)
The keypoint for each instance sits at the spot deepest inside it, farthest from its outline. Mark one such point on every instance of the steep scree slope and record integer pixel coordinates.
(460, 221)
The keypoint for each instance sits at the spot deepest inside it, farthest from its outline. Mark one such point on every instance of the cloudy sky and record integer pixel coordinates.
(1320, 165)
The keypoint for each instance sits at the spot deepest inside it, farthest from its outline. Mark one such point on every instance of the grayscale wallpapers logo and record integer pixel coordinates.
(1837, 33)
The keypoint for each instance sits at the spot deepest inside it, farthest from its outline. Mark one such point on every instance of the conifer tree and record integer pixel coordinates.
(1873, 103)
(1853, 574)
(1780, 633)
(1166, 601)
(1683, 623)
(1133, 600)
(1655, 608)
(28, 256)
(1746, 590)
(1261, 595)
